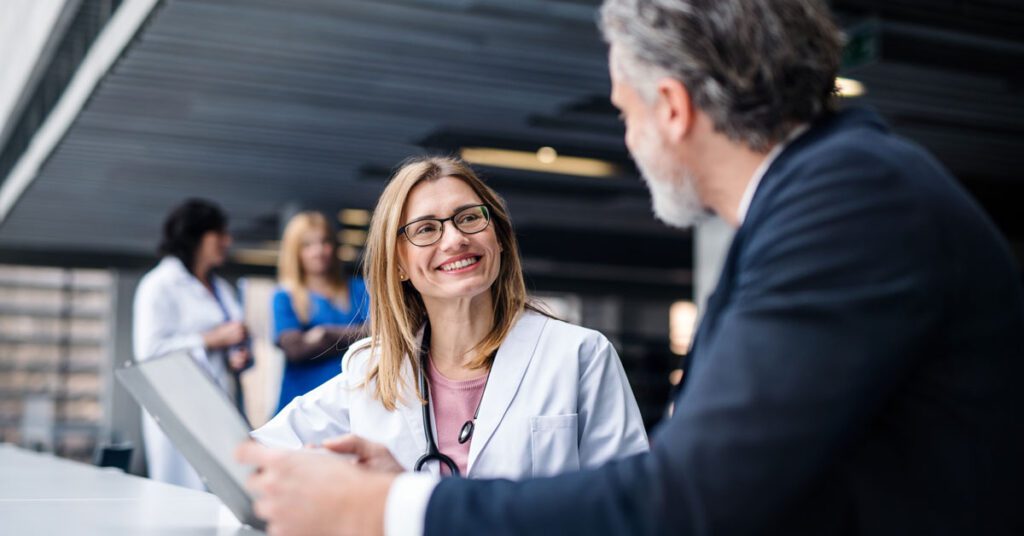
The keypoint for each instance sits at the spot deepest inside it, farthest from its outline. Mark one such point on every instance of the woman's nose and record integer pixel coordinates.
(452, 238)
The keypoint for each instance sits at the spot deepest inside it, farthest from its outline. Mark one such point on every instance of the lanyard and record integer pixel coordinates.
(220, 302)
(235, 374)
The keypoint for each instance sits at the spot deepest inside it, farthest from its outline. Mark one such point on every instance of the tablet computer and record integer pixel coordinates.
(201, 422)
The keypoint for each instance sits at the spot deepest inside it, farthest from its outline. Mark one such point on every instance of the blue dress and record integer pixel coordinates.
(300, 378)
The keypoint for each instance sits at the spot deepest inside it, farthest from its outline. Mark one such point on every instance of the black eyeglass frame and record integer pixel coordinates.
(486, 210)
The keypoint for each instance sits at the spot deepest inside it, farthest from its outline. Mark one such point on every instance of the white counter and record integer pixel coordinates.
(42, 494)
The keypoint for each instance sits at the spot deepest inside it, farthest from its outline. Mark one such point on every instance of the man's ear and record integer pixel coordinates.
(673, 109)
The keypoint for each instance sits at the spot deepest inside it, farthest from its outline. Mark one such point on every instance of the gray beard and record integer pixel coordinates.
(673, 195)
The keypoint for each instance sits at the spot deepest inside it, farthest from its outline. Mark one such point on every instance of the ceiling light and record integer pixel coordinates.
(347, 253)
(849, 87)
(355, 217)
(352, 237)
(682, 321)
(536, 161)
(547, 155)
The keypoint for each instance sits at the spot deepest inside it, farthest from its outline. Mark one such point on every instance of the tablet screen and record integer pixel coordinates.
(199, 419)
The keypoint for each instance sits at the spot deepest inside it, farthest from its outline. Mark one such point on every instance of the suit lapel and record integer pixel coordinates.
(507, 373)
(713, 309)
(773, 177)
(718, 297)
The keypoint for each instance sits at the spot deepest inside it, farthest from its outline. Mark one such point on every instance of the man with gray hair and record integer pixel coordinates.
(855, 371)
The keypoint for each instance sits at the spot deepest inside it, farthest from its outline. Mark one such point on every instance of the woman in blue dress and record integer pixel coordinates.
(317, 312)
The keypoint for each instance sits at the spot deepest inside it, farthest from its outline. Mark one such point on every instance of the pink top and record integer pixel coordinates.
(454, 403)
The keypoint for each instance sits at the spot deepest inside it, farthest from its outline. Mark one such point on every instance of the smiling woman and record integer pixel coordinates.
(317, 312)
(455, 270)
(456, 346)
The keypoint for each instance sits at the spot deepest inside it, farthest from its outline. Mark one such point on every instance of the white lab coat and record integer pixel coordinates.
(558, 400)
(172, 311)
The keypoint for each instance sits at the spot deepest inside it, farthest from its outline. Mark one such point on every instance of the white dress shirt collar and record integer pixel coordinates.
(755, 180)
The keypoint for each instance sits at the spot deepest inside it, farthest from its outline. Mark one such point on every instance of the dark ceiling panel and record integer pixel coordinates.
(264, 105)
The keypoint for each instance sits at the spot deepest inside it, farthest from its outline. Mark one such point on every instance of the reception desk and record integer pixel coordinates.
(42, 494)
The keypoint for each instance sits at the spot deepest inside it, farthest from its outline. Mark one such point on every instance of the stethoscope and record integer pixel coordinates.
(465, 434)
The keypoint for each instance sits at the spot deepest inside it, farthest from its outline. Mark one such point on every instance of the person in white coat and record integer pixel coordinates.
(461, 375)
(181, 306)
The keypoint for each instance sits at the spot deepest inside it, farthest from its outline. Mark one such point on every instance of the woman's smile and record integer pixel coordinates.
(460, 264)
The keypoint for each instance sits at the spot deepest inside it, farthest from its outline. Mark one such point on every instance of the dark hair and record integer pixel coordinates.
(185, 226)
(756, 67)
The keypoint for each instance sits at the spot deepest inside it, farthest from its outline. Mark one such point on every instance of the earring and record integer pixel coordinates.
(402, 276)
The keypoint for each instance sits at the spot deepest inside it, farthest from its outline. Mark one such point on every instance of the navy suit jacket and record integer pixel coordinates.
(858, 371)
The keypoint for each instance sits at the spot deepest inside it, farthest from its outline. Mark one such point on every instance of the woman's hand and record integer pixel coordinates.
(314, 335)
(239, 358)
(224, 335)
(369, 455)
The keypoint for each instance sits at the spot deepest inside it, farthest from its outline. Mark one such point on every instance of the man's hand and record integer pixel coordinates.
(369, 455)
(313, 492)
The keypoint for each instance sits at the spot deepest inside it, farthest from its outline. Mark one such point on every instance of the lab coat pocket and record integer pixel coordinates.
(553, 444)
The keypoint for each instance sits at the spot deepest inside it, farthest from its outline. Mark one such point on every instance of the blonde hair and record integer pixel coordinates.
(396, 310)
(290, 273)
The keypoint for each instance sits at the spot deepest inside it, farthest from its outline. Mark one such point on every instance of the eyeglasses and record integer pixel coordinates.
(427, 231)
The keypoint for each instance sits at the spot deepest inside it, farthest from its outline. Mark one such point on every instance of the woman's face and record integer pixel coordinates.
(458, 265)
(316, 252)
(213, 249)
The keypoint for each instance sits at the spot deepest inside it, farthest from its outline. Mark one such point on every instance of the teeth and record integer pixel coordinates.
(460, 264)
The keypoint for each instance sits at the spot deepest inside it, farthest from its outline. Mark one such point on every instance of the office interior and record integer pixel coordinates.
(114, 111)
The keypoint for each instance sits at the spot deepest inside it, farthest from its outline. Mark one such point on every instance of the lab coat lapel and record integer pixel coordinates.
(409, 405)
(184, 281)
(411, 410)
(507, 373)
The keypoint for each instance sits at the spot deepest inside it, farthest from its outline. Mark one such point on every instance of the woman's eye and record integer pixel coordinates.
(424, 229)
